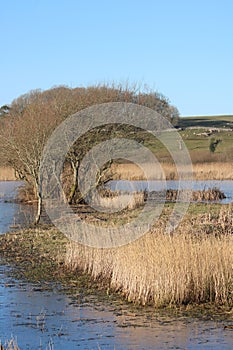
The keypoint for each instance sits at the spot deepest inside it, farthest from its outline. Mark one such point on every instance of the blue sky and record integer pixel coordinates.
(181, 48)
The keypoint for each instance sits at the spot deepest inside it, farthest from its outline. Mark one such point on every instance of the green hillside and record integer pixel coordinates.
(218, 121)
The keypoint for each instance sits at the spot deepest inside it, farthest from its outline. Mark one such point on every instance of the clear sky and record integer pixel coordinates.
(181, 48)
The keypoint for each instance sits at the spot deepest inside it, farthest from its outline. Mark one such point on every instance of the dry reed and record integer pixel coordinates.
(213, 171)
(9, 345)
(187, 267)
(7, 174)
(201, 171)
(212, 194)
(117, 200)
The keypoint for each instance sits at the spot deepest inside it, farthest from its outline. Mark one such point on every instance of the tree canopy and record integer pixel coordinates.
(28, 122)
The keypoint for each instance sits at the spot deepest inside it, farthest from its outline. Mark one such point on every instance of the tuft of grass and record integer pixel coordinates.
(112, 200)
(9, 345)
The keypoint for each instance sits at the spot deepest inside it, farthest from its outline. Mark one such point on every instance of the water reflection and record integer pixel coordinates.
(50, 317)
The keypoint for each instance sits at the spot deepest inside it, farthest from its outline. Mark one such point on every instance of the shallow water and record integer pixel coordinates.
(39, 318)
(226, 186)
(13, 215)
(51, 319)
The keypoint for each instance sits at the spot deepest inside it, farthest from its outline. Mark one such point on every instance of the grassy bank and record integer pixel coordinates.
(192, 267)
(38, 255)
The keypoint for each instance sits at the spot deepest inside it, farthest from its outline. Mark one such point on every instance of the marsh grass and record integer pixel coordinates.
(9, 345)
(201, 171)
(7, 174)
(191, 266)
(132, 200)
(213, 171)
(211, 194)
(120, 200)
(12, 345)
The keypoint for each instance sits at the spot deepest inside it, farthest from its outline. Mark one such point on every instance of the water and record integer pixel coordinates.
(226, 186)
(43, 316)
(13, 215)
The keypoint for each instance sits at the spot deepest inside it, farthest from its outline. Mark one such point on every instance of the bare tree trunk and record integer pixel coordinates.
(101, 179)
(39, 204)
(104, 175)
(75, 166)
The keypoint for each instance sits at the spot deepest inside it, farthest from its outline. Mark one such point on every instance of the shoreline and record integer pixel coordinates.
(37, 255)
(94, 296)
(40, 255)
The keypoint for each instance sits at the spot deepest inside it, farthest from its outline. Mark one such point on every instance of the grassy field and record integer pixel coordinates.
(197, 134)
(197, 140)
(217, 121)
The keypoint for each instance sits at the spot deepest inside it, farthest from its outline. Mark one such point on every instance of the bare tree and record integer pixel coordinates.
(28, 122)
(23, 135)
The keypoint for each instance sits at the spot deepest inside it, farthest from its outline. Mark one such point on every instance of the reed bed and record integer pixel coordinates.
(216, 223)
(201, 171)
(213, 171)
(130, 171)
(191, 266)
(7, 174)
(212, 194)
(117, 200)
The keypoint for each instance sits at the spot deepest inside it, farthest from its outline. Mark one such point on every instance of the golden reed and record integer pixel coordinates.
(191, 266)
(7, 174)
(201, 171)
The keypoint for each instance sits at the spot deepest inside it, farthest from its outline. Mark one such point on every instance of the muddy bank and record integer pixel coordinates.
(38, 255)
